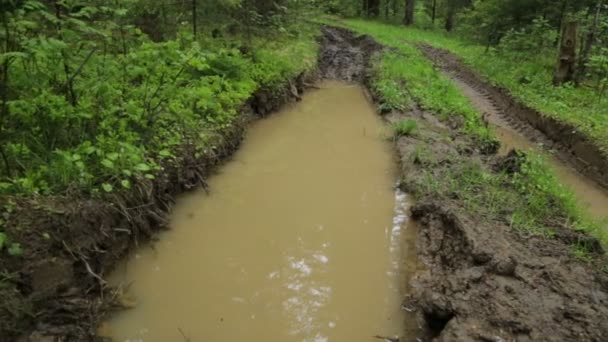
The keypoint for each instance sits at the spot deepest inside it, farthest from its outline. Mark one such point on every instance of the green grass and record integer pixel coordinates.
(580, 107)
(531, 200)
(406, 127)
(403, 76)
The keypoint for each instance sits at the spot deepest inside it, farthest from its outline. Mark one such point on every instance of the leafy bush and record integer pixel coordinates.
(538, 38)
(96, 105)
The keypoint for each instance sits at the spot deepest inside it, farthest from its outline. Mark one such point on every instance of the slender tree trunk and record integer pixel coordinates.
(194, 28)
(408, 19)
(4, 79)
(584, 57)
(434, 12)
(449, 20)
(562, 13)
(395, 7)
(564, 71)
(373, 8)
(387, 5)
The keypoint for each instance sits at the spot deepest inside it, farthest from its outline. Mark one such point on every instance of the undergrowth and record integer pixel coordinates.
(532, 199)
(528, 76)
(405, 127)
(130, 109)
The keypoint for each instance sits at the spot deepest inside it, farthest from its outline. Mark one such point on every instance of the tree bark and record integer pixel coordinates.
(194, 28)
(373, 9)
(591, 37)
(449, 20)
(434, 12)
(4, 79)
(564, 71)
(409, 12)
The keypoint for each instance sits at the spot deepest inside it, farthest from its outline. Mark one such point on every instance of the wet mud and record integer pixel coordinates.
(513, 134)
(481, 279)
(572, 147)
(56, 290)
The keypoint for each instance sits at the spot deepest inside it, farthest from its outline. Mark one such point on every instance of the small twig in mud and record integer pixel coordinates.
(387, 339)
(186, 338)
(90, 270)
(308, 85)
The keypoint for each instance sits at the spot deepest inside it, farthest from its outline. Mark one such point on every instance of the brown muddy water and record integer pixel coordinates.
(590, 194)
(301, 238)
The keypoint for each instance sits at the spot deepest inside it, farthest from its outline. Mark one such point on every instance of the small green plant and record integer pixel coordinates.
(12, 248)
(406, 127)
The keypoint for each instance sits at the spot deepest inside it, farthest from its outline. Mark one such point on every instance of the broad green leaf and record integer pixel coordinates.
(142, 167)
(125, 183)
(15, 249)
(107, 187)
(107, 163)
(3, 239)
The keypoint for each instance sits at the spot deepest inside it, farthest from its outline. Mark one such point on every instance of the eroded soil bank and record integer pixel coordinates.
(484, 280)
(56, 290)
(294, 227)
(573, 147)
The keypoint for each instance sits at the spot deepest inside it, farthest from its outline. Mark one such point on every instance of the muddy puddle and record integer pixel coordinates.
(590, 194)
(300, 239)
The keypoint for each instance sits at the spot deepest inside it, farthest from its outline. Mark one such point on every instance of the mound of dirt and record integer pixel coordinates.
(488, 283)
(344, 55)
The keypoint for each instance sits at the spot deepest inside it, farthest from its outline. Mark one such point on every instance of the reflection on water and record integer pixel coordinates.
(299, 239)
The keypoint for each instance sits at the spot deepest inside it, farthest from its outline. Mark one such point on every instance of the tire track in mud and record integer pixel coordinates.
(561, 140)
(516, 134)
(484, 280)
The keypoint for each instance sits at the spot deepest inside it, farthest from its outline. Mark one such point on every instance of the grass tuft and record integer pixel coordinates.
(406, 127)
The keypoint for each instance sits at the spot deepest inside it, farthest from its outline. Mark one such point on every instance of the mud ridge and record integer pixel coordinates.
(573, 147)
(346, 56)
(56, 290)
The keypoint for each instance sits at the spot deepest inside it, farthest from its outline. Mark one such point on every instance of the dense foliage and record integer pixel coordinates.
(91, 102)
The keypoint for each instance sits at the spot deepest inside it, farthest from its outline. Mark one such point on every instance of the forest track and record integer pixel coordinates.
(485, 280)
(561, 139)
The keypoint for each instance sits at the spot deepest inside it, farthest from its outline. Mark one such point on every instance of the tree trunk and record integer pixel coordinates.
(373, 9)
(409, 12)
(562, 13)
(194, 28)
(395, 7)
(449, 20)
(584, 57)
(4, 79)
(564, 71)
(434, 12)
(387, 5)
